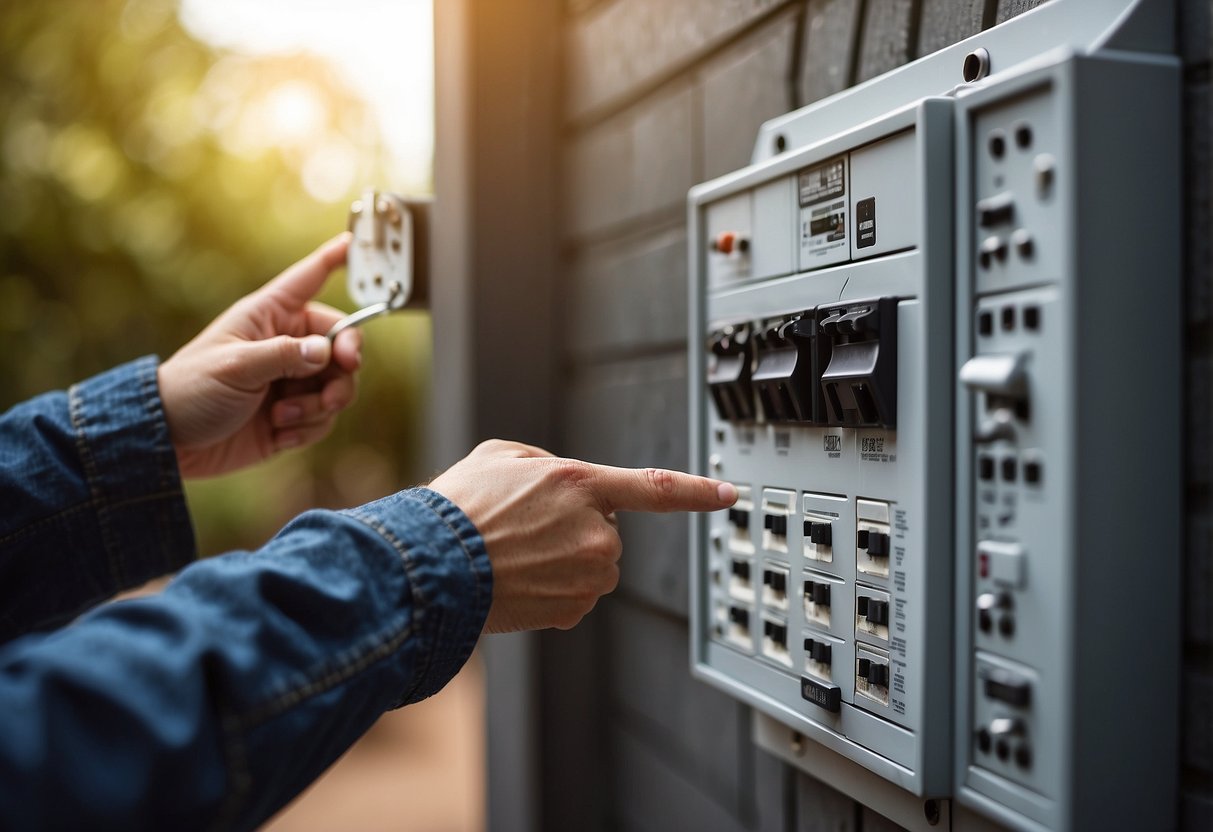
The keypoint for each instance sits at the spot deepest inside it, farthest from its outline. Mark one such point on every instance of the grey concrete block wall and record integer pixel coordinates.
(658, 95)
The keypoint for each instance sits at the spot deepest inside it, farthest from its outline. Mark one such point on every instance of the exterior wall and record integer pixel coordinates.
(658, 95)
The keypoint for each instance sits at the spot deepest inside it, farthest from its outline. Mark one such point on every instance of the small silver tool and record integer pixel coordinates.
(396, 300)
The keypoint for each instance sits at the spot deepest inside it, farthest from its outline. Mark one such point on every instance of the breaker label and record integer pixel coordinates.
(831, 444)
(872, 449)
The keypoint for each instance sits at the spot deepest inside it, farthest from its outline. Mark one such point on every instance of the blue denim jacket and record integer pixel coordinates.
(213, 703)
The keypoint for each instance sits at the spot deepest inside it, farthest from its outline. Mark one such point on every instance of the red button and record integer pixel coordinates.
(724, 242)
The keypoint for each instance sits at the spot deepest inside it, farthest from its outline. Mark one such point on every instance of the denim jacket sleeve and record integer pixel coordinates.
(91, 498)
(213, 703)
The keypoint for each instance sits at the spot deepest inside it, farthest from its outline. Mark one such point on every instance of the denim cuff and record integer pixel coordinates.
(449, 578)
(131, 470)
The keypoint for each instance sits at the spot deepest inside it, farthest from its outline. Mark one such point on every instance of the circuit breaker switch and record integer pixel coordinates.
(729, 368)
(818, 651)
(1008, 687)
(1007, 726)
(818, 592)
(877, 612)
(996, 210)
(877, 543)
(787, 370)
(860, 380)
(1002, 374)
(820, 534)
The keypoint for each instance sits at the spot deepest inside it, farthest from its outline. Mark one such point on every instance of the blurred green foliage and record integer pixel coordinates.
(144, 186)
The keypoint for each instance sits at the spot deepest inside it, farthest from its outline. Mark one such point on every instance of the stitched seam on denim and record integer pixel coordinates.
(236, 756)
(462, 544)
(75, 405)
(331, 679)
(91, 503)
(420, 602)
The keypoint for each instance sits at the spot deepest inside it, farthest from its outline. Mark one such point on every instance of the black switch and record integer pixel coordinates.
(779, 582)
(819, 533)
(822, 694)
(818, 651)
(878, 544)
(1008, 687)
(818, 592)
(865, 667)
(741, 569)
(779, 524)
(777, 633)
(739, 616)
(996, 210)
(861, 606)
(878, 612)
(878, 674)
(739, 517)
(861, 538)
(768, 521)
(729, 373)
(860, 380)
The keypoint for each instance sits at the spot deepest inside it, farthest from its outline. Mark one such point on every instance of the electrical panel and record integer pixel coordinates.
(937, 351)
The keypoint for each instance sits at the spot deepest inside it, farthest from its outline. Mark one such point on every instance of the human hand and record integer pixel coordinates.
(549, 525)
(262, 377)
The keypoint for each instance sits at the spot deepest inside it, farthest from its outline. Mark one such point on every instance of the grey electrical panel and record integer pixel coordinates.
(936, 347)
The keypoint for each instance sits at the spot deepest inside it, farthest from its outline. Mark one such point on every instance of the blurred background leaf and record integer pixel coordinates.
(149, 179)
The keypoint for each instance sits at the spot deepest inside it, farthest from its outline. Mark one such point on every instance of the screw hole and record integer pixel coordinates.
(931, 810)
(781, 143)
(976, 65)
(1023, 136)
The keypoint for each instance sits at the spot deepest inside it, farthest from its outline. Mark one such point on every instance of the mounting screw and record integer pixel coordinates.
(781, 143)
(976, 65)
(931, 809)
(797, 743)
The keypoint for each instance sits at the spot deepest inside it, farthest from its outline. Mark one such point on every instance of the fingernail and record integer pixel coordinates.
(290, 413)
(727, 492)
(314, 349)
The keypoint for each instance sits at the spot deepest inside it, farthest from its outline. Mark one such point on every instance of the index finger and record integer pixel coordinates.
(300, 282)
(657, 489)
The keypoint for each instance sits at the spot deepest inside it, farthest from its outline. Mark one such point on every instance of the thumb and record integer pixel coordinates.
(258, 363)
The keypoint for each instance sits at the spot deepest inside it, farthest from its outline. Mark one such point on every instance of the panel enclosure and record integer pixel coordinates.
(813, 593)
(1067, 229)
(949, 422)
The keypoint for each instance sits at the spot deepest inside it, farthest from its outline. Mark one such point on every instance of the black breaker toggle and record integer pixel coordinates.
(788, 367)
(860, 381)
(729, 370)
(835, 365)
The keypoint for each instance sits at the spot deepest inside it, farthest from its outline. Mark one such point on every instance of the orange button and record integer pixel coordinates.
(724, 242)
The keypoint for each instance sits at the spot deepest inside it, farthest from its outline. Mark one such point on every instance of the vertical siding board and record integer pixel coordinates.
(887, 28)
(830, 36)
(1198, 256)
(635, 164)
(634, 414)
(696, 729)
(740, 90)
(1008, 9)
(821, 808)
(1195, 31)
(652, 796)
(615, 48)
(945, 22)
(651, 272)
(873, 822)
